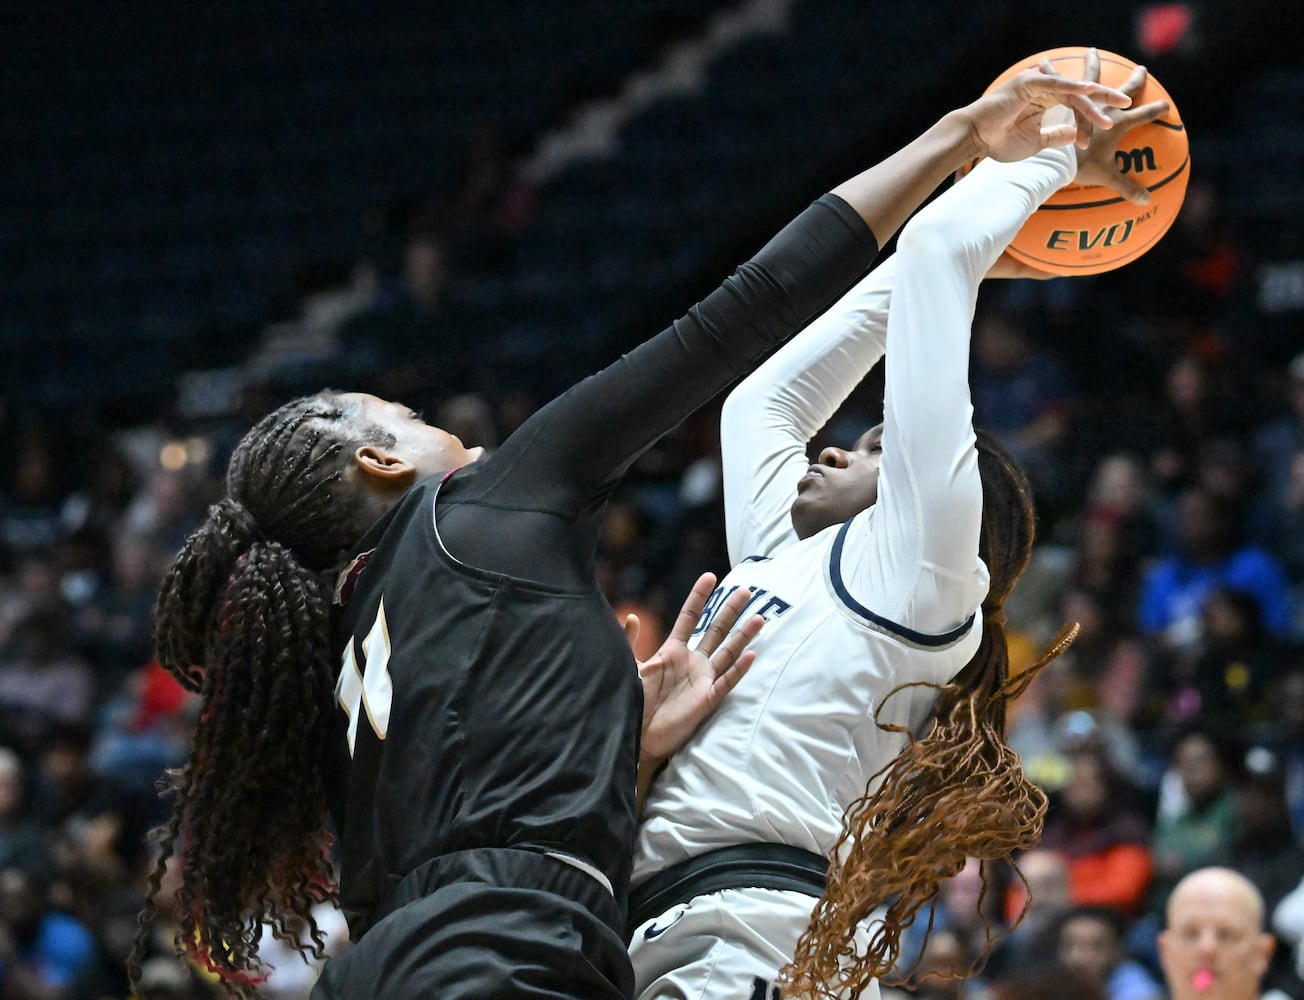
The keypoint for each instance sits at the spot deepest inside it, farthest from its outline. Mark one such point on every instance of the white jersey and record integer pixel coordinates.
(889, 597)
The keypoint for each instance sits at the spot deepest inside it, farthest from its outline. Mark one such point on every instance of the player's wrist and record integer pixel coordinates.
(650, 761)
(958, 131)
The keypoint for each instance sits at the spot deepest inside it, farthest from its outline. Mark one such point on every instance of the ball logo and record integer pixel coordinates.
(1134, 161)
(1085, 239)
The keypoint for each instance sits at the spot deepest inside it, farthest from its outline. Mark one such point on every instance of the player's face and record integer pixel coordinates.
(429, 450)
(838, 486)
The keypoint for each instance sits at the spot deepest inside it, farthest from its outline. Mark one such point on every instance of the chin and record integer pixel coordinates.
(807, 522)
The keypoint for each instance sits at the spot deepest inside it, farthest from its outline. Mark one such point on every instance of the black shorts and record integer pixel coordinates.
(492, 925)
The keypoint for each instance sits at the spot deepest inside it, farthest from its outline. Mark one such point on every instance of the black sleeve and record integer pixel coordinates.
(574, 449)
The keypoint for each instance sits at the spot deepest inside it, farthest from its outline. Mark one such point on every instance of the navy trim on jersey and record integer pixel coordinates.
(926, 639)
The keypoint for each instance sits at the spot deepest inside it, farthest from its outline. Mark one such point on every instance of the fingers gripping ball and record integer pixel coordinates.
(1088, 230)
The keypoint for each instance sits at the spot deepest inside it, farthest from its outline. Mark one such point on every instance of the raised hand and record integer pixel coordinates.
(682, 686)
(1096, 163)
(1008, 123)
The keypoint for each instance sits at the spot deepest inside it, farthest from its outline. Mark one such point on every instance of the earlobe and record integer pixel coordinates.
(383, 465)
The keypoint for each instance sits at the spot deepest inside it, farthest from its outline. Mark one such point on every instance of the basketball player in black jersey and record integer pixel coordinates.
(402, 649)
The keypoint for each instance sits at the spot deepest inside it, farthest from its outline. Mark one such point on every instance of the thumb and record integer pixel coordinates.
(631, 626)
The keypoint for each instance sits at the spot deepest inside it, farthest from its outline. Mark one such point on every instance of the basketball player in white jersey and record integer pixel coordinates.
(874, 568)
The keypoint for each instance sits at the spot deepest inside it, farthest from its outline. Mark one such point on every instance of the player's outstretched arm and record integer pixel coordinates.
(1004, 125)
(682, 686)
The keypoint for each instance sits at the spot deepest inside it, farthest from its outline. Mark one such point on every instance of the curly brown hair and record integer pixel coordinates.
(957, 792)
(243, 617)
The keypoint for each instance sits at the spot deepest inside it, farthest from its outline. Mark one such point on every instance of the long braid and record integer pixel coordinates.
(957, 792)
(243, 617)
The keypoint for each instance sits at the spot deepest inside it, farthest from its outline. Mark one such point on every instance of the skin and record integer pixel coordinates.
(419, 449)
(839, 485)
(1214, 937)
(1090, 946)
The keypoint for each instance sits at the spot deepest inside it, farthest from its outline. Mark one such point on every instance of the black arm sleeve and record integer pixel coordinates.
(582, 442)
(532, 509)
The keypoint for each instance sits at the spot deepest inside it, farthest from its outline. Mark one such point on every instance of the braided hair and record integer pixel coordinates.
(956, 792)
(243, 618)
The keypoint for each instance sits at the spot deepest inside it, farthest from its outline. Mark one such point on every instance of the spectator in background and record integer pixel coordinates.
(1091, 940)
(32, 492)
(1282, 526)
(469, 416)
(1048, 898)
(20, 835)
(943, 971)
(97, 503)
(1287, 741)
(1209, 555)
(43, 684)
(1094, 822)
(1196, 824)
(1021, 395)
(1191, 415)
(63, 783)
(1277, 442)
(116, 624)
(414, 329)
(163, 511)
(964, 910)
(1048, 980)
(42, 950)
(1266, 851)
(32, 584)
(1115, 532)
(1226, 672)
(1213, 946)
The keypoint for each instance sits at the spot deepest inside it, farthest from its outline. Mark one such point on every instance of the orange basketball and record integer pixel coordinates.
(1087, 230)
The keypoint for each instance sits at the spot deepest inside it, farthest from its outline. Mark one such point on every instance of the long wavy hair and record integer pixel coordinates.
(957, 792)
(243, 618)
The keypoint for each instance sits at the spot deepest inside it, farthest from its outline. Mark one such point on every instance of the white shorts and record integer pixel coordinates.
(727, 945)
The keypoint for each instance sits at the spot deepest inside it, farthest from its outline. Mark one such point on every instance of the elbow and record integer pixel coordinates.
(930, 236)
(742, 404)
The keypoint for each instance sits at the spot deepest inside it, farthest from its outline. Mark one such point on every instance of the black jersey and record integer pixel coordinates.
(488, 697)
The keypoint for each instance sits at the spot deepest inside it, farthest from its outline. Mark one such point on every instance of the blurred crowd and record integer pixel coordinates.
(1165, 440)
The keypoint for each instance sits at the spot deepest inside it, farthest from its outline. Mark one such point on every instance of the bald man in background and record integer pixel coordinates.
(1214, 946)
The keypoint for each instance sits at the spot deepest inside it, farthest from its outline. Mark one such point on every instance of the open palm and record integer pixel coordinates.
(682, 686)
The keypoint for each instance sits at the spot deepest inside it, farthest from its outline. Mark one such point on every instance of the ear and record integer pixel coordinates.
(1267, 944)
(384, 468)
(1161, 945)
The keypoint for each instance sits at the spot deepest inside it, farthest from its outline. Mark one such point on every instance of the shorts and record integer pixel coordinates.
(507, 924)
(726, 945)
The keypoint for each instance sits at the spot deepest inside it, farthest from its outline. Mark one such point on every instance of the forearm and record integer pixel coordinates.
(942, 256)
(888, 193)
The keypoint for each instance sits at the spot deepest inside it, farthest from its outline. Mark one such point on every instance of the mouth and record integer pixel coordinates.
(813, 474)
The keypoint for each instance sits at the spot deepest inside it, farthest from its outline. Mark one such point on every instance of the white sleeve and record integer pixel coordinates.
(767, 421)
(914, 558)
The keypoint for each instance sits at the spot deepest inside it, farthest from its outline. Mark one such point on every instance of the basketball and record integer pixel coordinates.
(1089, 230)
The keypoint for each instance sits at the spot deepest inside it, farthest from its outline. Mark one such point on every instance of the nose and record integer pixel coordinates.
(834, 457)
